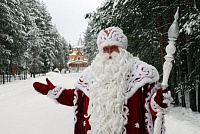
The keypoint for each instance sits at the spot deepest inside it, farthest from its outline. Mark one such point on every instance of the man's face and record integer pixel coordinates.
(110, 49)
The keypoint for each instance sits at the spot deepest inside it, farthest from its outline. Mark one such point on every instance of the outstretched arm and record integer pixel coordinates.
(58, 94)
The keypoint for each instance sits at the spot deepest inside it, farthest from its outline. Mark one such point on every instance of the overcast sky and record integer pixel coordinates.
(68, 16)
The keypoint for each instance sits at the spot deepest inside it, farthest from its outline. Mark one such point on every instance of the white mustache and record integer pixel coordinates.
(107, 56)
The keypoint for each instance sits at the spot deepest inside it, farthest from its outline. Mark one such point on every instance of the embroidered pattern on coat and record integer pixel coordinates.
(83, 82)
(140, 74)
(137, 125)
(148, 114)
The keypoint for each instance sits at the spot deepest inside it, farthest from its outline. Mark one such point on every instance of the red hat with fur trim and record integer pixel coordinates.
(111, 36)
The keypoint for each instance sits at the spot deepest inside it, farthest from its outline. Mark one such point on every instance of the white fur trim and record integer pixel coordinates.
(155, 106)
(150, 101)
(83, 82)
(55, 93)
(141, 74)
(148, 114)
(75, 105)
(111, 42)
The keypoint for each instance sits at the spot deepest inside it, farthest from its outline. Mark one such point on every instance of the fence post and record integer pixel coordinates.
(3, 78)
(7, 77)
(10, 78)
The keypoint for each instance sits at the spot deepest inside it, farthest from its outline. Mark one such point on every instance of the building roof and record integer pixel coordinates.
(72, 54)
(78, 62)
(79, 44)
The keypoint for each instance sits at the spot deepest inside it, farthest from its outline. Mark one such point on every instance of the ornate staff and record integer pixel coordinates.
(173, 33)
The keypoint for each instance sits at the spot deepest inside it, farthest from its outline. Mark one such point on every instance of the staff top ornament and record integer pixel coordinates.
(173, 31)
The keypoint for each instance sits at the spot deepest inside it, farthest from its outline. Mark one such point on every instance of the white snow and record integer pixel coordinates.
(24, 111)
(182, 121)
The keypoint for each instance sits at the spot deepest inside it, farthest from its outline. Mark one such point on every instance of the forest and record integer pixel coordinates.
(29, 42)
(146, 23)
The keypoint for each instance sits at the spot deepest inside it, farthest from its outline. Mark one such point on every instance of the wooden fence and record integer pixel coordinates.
(4, 78)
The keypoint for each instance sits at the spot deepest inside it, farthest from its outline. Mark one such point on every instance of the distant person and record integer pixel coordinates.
(70, 69)
(117, 94)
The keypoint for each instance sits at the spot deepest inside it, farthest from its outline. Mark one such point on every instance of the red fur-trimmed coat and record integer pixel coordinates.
(141, 87)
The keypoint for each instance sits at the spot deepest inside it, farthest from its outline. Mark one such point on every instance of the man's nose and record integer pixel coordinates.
(110, 51)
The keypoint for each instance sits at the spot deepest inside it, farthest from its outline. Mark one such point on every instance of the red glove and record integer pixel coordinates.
(43, 88)
(163, 98)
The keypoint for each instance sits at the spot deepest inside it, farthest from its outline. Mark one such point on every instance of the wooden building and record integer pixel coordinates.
(77, 60)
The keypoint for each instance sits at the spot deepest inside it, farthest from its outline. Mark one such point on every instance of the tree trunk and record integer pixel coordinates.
(192, 93)
(173, 85)
(193, 105)
(181, 87)
(183, 98)
(34, 74)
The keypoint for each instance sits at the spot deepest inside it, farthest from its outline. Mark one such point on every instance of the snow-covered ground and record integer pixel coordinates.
(24, 111)
(182, 121)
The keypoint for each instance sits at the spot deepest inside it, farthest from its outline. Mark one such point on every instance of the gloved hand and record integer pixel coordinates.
(43, 88)
(163, 98)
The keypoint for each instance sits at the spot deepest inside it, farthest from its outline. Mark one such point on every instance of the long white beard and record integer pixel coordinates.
(108, 97)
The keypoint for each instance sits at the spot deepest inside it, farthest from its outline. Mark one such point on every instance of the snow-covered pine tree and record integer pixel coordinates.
(190, 51)
(34, 39)
(7, 29)
(90, 44)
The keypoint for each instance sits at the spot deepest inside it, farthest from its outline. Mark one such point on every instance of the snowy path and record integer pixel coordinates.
(24, 111)
(182, 121)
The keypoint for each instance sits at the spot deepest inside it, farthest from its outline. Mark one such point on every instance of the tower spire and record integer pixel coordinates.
(80, 42)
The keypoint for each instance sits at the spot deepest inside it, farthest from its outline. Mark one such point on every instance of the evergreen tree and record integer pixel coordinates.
(28, 40)
(90, 45)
